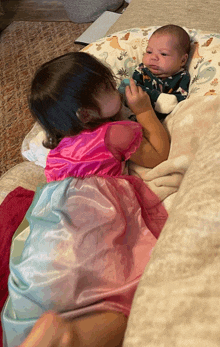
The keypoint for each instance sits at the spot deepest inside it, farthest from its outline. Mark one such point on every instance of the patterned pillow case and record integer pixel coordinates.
(124, 50)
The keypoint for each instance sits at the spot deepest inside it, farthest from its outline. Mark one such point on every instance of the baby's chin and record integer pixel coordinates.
(160, 74)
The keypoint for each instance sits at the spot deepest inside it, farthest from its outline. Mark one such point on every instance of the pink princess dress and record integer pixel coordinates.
(92, 231)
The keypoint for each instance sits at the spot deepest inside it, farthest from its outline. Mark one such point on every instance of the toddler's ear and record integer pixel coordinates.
(86, 115)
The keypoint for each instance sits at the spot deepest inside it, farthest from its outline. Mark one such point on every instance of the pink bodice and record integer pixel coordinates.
(100, 152)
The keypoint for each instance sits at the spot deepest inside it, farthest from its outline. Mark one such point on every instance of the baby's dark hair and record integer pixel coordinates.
(63, 95)
(182, 36)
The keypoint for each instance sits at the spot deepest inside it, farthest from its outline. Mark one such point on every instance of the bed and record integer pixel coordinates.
(177, 300)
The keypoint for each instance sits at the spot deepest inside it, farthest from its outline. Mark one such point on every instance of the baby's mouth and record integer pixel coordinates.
(154, 67)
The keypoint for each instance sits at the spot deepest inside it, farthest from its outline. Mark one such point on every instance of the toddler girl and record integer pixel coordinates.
(92, 229)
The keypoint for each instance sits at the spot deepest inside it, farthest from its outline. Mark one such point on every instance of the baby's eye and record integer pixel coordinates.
(148, 52)
(164, 54)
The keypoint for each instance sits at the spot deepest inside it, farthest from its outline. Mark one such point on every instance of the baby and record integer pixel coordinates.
(162, 73)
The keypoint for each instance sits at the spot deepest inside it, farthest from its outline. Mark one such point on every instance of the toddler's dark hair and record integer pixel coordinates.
(181, 35)
(63, 86)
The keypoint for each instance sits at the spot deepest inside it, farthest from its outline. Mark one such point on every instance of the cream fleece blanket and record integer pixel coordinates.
(187, 125)
(177, 302)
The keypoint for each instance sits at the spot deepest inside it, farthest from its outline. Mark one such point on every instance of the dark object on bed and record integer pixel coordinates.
(83, 11)
(7, 11)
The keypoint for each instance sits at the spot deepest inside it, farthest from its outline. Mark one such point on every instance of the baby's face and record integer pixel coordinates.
(162, 57)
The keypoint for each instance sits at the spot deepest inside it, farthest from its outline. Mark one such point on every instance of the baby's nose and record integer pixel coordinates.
(154, 56)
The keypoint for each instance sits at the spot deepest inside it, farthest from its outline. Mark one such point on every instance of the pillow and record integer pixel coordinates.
(32, 148)
(124, 50)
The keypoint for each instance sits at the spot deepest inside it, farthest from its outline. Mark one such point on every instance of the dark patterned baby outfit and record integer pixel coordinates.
(164, 93)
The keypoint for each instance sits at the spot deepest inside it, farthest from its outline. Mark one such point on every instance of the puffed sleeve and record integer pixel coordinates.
(123, 138)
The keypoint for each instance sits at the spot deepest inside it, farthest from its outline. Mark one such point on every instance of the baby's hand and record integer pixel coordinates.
(138, 100)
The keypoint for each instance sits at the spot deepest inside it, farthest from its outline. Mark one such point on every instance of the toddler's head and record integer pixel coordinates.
(73, 93)
(167, 51)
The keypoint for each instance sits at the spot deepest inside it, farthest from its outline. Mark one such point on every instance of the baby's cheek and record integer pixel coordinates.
(145, 59)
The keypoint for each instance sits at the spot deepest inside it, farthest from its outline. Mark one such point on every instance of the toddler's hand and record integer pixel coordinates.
(138, 100)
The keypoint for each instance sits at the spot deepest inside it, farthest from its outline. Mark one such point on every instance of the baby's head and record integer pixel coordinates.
(167, 51)
(73, 93)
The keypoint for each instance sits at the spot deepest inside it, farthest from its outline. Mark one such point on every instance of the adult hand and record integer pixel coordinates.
(138, 100)
(49, 331)
(92, 330)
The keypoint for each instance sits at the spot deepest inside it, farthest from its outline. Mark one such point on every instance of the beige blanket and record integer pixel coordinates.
(187, 125)
(177, 302)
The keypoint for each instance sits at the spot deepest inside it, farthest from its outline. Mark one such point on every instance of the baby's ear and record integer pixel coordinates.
(86, 115)
(184, 59)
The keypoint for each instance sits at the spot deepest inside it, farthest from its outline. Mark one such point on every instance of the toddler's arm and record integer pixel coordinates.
(155, 145)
